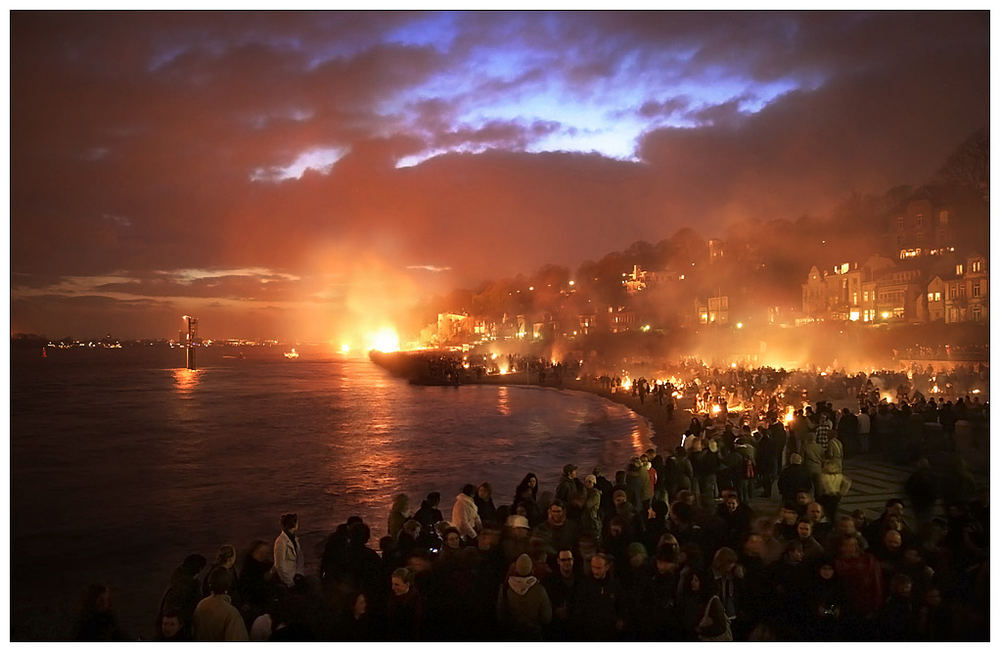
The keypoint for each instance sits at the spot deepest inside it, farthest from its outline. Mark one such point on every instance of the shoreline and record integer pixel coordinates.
(665, 433)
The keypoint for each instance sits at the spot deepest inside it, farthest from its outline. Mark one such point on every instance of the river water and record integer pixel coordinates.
(122, 462)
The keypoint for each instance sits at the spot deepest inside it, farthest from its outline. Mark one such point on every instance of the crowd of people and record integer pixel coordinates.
(682, 546)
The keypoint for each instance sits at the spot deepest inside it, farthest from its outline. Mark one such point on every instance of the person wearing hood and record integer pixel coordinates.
(465, 514)
(183, 595)
(523, 606)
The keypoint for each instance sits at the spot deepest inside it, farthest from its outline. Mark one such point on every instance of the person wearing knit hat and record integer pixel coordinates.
(523, 606)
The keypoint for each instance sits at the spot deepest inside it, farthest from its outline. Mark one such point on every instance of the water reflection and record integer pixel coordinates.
(503, 401)
(185, 380)
(637, 439)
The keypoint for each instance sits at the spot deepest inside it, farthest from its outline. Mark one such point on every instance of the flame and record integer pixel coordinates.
(385, 340)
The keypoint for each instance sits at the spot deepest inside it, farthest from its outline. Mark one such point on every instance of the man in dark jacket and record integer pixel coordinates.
(598, 614)
(770, 453)
(429, 515)
(847, 431)
(658, 621)
(558, 531)
(570, 489)
(794, 478)
(562, 587)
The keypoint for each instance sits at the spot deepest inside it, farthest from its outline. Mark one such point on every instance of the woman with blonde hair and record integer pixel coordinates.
(398, 514)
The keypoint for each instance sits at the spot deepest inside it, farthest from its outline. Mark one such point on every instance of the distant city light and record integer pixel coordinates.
(531, 287)
(739, 324)
(572, 282)
(645, 329)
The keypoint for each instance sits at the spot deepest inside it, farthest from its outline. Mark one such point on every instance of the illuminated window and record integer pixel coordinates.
(854, 299)
(866, 295)
(959, 269)
(976, 266)
(930, 296)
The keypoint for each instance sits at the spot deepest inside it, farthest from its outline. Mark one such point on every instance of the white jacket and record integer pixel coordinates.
(465, 516)
(288, 562)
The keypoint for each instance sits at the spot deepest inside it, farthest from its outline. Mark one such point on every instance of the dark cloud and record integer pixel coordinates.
(667, 107)
(253, 288)
(498, 134)
(21, 280)
(727, 113)
(135, 137)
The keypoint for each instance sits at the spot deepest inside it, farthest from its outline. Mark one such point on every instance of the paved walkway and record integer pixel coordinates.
(873, 482)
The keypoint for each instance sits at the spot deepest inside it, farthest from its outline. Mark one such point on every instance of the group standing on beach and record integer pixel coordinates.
(669, 548)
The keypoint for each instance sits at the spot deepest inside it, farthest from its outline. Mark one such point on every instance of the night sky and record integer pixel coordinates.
(300, 175)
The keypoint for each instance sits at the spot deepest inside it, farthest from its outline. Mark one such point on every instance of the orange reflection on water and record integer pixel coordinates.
(185, 380)
(637, 439)
(503, 401)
